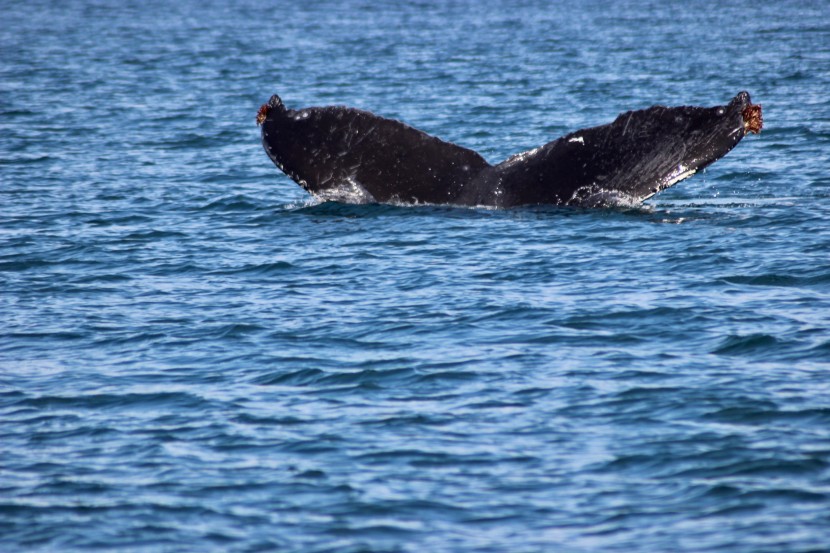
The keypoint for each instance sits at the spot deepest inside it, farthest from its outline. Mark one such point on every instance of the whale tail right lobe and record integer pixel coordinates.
(633, 158)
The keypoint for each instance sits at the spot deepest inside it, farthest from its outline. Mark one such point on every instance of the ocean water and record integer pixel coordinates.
(195, 355)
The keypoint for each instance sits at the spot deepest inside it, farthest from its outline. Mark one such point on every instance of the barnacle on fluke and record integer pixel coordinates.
(753, 118)
(262, 114)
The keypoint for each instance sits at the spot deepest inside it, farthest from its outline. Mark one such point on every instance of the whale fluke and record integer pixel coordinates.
(350, 155)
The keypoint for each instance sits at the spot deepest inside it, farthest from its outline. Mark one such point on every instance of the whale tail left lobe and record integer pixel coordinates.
(348, 154)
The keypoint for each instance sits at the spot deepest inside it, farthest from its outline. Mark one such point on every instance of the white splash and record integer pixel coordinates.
(349, 192)
(603, 198)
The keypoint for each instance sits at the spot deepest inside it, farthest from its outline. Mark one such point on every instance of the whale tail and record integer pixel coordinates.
(352, 155)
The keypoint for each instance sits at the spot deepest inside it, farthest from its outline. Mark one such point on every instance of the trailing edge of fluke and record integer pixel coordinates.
(350, 155)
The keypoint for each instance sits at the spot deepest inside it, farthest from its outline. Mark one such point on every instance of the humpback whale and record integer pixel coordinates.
(350, 155)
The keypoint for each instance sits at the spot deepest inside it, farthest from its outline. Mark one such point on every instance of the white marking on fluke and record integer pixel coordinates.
(515, 158)
(679, 174)
(578, 139)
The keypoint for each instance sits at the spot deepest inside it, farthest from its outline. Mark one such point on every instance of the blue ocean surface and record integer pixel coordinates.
(196, 355)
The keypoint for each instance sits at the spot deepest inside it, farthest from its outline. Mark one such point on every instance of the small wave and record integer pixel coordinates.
(247, 418)
(407, 420)
(260, 269)
(106, 400)
(338, 209)
(822, 349)
(448, 376)
(429, 458)
(109, 277)
(147, 235)
(769, 415)
(236, 202)
(318, 377)
(32, 159)
(19, 266)
(132, 338)
(122, 220)
(774, 279)
(235, 330)
(752, 343)
(176, 268)
(58, 335)
(765, 467)
(193, 140)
